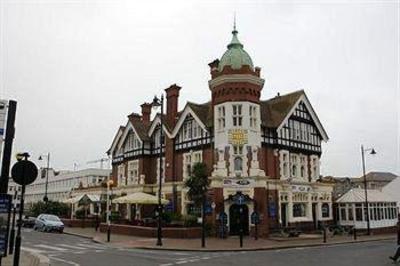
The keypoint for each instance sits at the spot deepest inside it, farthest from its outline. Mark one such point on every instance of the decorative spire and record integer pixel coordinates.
(235, 43)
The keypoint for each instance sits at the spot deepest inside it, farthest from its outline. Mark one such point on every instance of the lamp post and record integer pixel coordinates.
(108, 214)
(373, 152)
(159, 102)
(45, 198)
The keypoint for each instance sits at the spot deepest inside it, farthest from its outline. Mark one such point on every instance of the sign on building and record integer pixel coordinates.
(238, 136)
(5, 208)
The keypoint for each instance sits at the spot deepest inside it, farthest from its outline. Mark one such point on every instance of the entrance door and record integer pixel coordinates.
(238, 216)
(314, 215)
(284, 214)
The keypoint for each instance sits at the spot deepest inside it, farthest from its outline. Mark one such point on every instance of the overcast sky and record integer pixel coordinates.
(78, 68)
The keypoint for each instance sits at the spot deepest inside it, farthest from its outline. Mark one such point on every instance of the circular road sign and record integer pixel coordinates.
(24, 172)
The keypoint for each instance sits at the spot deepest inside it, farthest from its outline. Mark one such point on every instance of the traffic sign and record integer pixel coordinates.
(255, 218)
(223, 218)
(24, 172)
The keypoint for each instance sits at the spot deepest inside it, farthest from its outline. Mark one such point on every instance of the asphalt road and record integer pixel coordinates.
(66, 250)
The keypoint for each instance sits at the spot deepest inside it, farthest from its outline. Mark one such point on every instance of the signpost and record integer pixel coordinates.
(223, 219)
(255, 219)
(23, 172)
(5, 209)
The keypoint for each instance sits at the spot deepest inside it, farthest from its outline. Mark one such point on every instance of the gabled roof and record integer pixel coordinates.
(116, 139)
(275, 110)
(357, 195)
(204, 112)
(140, 128)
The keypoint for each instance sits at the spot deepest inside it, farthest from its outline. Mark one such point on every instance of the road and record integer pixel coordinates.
(67, 250)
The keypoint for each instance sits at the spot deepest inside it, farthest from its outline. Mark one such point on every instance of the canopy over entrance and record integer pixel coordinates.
(139, 198)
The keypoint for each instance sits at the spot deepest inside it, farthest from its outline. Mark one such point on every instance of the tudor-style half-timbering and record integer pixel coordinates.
(266, 151)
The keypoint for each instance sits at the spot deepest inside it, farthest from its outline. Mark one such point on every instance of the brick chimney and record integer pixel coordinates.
(172, 103)
(146, 113)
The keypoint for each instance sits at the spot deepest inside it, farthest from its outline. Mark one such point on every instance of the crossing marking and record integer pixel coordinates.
(51, 247)
(70, 246)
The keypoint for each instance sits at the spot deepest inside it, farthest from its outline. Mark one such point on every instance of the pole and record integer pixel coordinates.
(46, 199)
(256, 236)
(241, 226)
(365, 190)
(159, 227)
(324, 233)
(18, 238)
(8, 141)
(12, 232)
(203, 224)
(108, 212)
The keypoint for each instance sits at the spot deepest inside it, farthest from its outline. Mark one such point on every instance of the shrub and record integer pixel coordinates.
(189, 220)
(52, 207)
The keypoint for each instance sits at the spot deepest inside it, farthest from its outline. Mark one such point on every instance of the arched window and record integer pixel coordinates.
(294, 170)
(302, 171)
(238, 164)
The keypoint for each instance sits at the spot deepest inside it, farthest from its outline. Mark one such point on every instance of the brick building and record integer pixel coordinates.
(265, 151)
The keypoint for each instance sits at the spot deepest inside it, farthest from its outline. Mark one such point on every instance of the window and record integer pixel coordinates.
(294, 165)
(350, 212)
(238, 164)
(221, 117)
(162, 170)
(343, 213)
(237, 115)
(299, 210)
(133, 172)
(190, 159)
(359, 213)
(253, 116)
(325, 210)
(285, 165)
(238, 150)
(121, 175)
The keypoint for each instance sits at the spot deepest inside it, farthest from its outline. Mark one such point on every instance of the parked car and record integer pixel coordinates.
(28, 222)
(48, 223)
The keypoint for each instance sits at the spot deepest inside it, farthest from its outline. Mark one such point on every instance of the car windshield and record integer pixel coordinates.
(52, 218)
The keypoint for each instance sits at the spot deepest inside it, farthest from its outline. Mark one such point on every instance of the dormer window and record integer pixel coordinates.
(237, 115)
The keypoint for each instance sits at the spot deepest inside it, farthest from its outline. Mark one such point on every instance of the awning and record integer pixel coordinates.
(139, 198)
(74, 199)
(84, 198)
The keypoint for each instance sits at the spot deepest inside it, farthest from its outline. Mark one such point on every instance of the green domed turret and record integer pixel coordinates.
(235, 56)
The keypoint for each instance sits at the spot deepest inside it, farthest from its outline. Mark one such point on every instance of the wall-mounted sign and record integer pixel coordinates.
(296, 188)
(238, 136)
(235, 182)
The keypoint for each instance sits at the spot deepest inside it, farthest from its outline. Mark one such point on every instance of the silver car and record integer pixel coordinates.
(48, 223)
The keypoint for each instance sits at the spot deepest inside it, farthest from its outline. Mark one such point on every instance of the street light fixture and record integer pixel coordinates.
(372, 152)
(45, 198)
(159, 102)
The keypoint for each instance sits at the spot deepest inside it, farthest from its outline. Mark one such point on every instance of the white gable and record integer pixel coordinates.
(182, 119)
(129, 127)
(156, 122)
(314, 116)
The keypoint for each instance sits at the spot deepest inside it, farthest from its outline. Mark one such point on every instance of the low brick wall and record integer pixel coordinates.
(167, 232)
(79, 223)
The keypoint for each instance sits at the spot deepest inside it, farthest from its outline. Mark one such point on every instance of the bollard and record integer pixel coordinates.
(324, 235)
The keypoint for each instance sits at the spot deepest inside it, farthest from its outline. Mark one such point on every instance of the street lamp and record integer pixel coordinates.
(372, 152)
(110, 183)
(157, 102)
(45, 198)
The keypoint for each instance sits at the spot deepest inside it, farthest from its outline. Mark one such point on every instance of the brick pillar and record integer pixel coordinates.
(218, 198)
(260, 198)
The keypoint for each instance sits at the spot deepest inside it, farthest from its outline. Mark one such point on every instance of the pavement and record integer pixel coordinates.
(216, 244)
(27, 258)
(67, 250)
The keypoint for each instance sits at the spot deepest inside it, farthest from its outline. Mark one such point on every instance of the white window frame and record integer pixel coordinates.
(189, 160)
(237, 115)
(221, 117)
(133, 172)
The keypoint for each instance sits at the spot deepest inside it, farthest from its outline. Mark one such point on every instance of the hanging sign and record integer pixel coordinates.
(238, 136)
(5, 209)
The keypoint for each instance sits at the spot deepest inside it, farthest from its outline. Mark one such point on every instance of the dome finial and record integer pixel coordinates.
(234, 22)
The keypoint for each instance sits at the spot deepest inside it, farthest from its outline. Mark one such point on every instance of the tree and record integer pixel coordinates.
(198, 184)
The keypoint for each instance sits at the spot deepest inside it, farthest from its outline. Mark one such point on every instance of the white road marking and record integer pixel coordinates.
(32, 250)
(91, 246)
(51, 247)
(66, 261)
(166, 264)
(71, 246)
